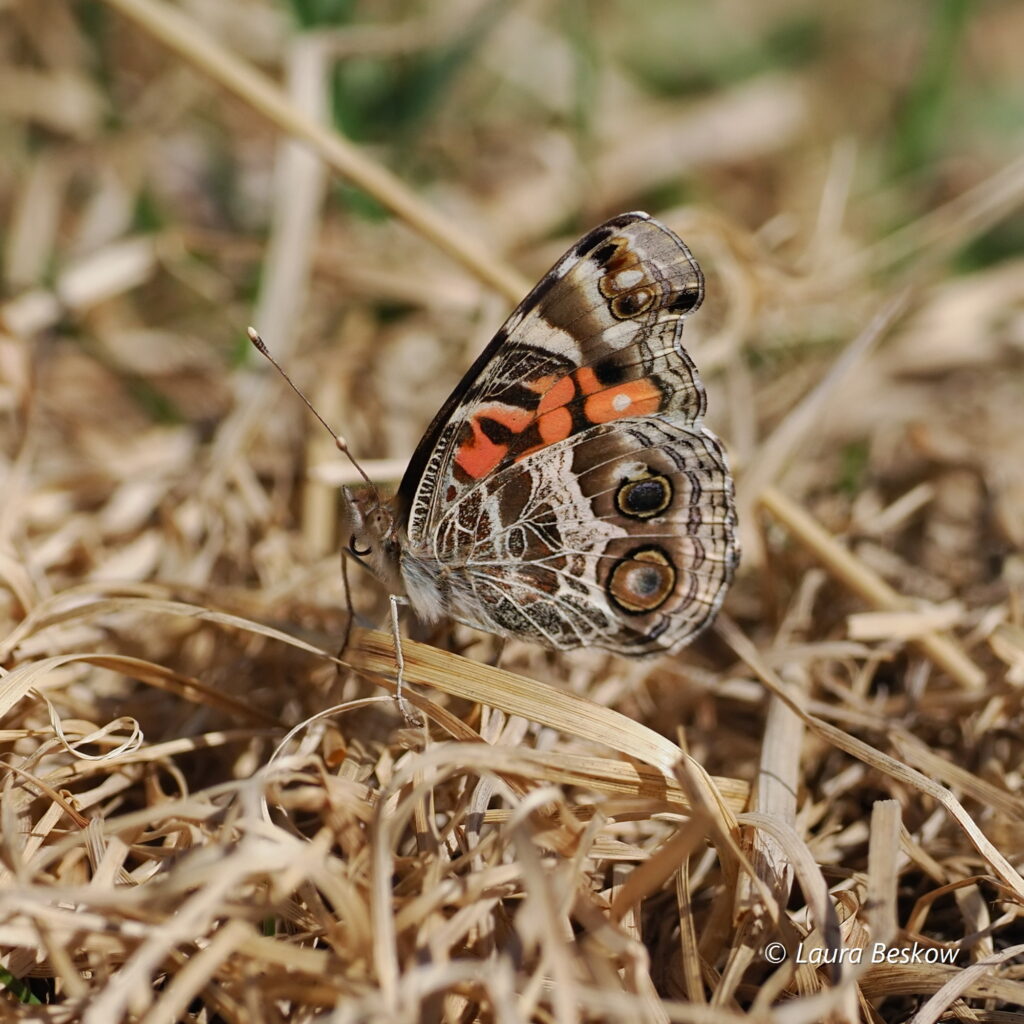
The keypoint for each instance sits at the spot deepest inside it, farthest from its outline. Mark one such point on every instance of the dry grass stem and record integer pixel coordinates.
(868, 584)
(188, 40)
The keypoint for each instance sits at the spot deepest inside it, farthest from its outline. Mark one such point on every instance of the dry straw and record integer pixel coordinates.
(208, 812)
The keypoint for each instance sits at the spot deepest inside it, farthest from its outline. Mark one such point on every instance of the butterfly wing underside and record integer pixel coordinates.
(567, 492)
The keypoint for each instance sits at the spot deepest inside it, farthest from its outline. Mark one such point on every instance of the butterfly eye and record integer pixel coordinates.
(359, 552)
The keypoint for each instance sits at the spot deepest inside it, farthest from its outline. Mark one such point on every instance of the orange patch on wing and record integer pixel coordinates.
(558, 395)
(587, 380)
(600, 404)
(554, 421)
(480, 455)
(541, 384)
(516, 420)
(477, 457)
(637, 398)
(555, 425)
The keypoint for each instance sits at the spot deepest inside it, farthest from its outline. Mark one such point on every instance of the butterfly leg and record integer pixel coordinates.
(404, 706)
(347, 635)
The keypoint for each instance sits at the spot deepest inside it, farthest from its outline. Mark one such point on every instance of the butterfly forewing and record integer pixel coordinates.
(567, 492)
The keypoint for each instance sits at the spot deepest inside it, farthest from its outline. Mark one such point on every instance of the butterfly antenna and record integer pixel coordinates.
(342, 444)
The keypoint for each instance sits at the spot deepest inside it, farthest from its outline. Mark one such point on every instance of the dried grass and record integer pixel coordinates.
(208, 814)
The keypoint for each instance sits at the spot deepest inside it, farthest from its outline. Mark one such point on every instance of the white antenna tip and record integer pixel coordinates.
(254, 337)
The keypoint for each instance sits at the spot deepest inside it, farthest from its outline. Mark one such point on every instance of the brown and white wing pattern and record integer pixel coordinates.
(567, 493)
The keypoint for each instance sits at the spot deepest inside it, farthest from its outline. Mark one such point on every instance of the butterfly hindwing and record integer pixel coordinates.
(620, 538)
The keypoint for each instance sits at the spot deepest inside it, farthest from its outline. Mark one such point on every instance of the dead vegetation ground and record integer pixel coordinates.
(851, 179)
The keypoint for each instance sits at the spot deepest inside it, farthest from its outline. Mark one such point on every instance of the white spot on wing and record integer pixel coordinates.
(625, 279)
(537, 332)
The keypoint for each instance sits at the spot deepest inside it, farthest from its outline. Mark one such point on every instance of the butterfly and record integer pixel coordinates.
(567, 492)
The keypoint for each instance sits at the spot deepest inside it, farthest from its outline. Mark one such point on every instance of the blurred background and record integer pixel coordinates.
(849, 175)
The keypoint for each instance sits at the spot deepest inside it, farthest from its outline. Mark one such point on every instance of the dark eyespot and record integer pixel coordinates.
(632, 303)
(644, 498)
(642, 581)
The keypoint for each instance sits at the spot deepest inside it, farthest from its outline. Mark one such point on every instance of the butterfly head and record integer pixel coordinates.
(369, 535)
